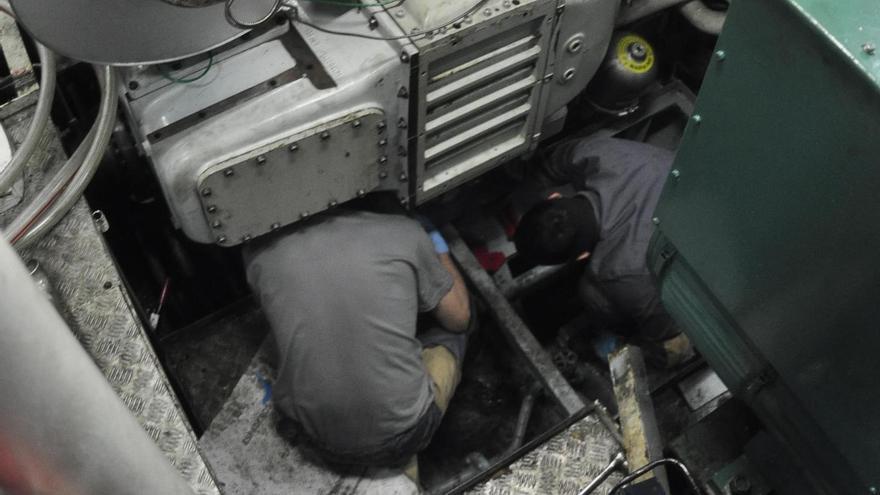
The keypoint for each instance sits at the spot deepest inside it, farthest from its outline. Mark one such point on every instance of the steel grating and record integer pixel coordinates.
(90, 296)
(564, 465)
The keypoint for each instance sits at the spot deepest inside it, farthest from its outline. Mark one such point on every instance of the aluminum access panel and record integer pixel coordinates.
(479, 92)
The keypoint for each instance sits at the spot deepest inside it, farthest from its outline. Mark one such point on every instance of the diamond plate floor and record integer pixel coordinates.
(93, 301)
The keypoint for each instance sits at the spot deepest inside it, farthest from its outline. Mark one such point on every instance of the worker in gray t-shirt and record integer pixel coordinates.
(608, 223)
(342, 294)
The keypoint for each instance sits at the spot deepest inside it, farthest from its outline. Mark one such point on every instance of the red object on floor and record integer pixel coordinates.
(491, 261)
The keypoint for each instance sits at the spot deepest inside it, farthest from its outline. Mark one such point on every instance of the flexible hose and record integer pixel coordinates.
(703, 18)
(11, 171)
(103, 128)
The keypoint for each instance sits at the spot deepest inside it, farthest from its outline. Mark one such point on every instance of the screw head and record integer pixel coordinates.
(383, 142)
(720, 55)
(383, 160)
(356, 123)
(293, 147)
(221, 239)
(212, 209)
(275, 226)
(206, 191)
(656, 221)
(361, 193)
(229, 172)
(303, 215)
(869, 48)
(402, 177)
(216, 224)
(325, 135)
(332, 204)
(261, 160)
(676, 173)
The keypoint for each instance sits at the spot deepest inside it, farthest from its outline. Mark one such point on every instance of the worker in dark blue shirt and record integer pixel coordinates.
(608, 223)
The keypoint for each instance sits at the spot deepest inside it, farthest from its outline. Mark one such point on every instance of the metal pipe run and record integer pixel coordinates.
(62, 427)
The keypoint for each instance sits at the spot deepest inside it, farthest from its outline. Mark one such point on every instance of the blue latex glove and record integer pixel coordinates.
(440, 245)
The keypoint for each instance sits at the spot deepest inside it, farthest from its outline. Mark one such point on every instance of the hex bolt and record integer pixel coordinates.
(206, 192)
(383, 175)
(293, 147)
(361, 193)
(212, 209)
(261, 160)
(356, 123)
(276, 225)
(325, 135)
(869, 48)
(402, 177)
(221, 239)
(383, 142)
(383, 160)
(216, 224)
(697, 119)
(656, 221)
(229, 172)
(720, 55)
(676, 173)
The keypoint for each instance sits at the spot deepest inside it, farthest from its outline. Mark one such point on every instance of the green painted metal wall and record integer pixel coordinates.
(768, 246)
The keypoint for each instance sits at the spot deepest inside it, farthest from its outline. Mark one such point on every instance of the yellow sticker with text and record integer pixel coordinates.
(627, 58)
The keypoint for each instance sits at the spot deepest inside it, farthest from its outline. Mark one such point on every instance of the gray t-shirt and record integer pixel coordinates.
(342, 295)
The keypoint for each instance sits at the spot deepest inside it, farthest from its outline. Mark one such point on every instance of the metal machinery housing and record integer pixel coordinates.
(293, 119)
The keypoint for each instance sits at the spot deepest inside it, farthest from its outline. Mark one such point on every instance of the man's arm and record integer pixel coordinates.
(454, 310)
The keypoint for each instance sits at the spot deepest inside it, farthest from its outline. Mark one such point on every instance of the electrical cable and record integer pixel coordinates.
(418, 34)
(187, 80)
(638, 473)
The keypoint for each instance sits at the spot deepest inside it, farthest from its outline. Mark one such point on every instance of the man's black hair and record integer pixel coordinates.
(557, 230)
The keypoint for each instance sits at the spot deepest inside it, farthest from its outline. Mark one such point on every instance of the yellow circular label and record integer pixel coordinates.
(626, 58)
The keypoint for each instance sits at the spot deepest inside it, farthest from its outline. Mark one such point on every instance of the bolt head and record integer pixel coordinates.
(676, 173)
(356, 123)
(229, 172)
(246, 238)
(487, 12)
(404, 57)
(361, 193)
(212, 209)
(383, 142)
(221, 239)
(332, 204)
(293, 147)
(383, 160)
(302, 215)
(381, 126)
(401, 123)
(216, 224)
(261, 160)
(383, 175)
(206, 192)
(275, 226)
(697, 118)
(869, 48)
(720, 55)
(656, 221)
(325, 135)
(402, 177)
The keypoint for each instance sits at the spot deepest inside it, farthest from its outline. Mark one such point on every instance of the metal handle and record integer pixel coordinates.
(230, 17)
(618, 461)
